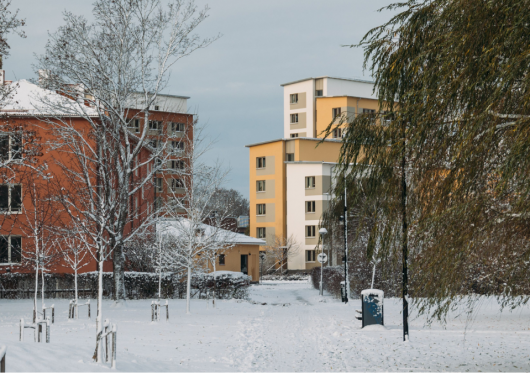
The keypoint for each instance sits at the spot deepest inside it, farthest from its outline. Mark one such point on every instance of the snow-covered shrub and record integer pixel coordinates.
(138, 285)
(225, 284)
(299, 276)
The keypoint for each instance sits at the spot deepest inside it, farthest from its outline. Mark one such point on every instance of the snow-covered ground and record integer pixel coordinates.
(295, 330)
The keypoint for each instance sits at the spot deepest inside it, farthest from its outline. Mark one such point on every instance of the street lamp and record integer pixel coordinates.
(323, 232)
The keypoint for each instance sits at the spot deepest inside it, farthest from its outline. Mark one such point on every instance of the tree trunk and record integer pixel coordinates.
(99, 323)
(36, 292)
(188, 290)
(119, 273)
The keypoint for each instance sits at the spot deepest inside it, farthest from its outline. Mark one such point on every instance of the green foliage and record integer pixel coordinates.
(453, 76)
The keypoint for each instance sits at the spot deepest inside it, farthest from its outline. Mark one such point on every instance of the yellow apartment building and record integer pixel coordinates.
(291, 178)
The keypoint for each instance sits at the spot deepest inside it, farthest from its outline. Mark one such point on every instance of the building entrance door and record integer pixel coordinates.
(244, 264)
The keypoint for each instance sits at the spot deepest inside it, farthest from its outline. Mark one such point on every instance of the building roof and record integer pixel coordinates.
(329, 77)
(293, 138)
(28, 99)
(171, 226)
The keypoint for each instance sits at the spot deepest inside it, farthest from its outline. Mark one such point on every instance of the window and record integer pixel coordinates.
(290, 157)
(134, 125)
(157, 107)
(294, 98)
(260, 208)
(294, 118)
(261, 233)
(310, 206)
(10, 249)
(260, 162)
(337, 133)
(158, 203)
(155, 125)
(177, 145)
(177, 127)
(10, 198)
(154, 143)
(260, 185)
(294, 135)
(309, 182)
(319, 93)
(336, 112)
(368, 111)
(177, 165)
(310, 230)
(11, 147)
(176, 184)
(158, 185)
(221, 259)
(310, 255)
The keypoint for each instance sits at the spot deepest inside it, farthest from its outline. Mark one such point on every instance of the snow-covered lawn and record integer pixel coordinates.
(294, 331)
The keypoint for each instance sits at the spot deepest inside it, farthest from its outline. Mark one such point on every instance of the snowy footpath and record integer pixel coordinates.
(285, 326)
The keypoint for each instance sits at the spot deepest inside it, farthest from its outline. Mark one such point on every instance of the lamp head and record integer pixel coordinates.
(322, 231)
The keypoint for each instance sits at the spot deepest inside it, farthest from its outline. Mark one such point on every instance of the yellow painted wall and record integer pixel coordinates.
(276, 150)
(233, 260)
(325, 105)
(314, 151)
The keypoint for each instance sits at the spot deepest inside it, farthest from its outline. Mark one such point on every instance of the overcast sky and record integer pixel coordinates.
(234, 84)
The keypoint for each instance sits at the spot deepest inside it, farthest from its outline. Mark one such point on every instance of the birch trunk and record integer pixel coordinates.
(188, 290)
(36, 292)
(99, 324)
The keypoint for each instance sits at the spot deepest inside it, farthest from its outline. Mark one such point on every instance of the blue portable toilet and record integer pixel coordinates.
(372, 307)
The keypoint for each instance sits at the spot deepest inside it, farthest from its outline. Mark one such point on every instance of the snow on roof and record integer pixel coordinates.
(172, 227)
(28, 99)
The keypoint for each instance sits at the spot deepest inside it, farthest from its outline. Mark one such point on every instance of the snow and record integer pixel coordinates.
(30, 99)
(172, 227)
(228, 274)
(378, 293)
(285, 326)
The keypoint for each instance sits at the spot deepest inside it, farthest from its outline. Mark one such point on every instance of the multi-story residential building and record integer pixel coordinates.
(291, 178)
(168, 121)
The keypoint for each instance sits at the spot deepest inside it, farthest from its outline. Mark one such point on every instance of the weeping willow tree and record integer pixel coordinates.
(449, 151)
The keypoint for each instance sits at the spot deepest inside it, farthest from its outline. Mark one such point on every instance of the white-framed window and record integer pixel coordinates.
(261, 162)
(310, 206)
(260, 185)
(222, 259)
(310, 182)
(10, 147)
(368, 111)
(294, 118)
(155, 144)
(261, 209)
(294, 135)
(10, 249)
(310, 256)
(10, 198)
(290, 157)
(178, 127)
(310, 231)
(336, 112)
(155, 125)
(337, 133)
(294, 98)
(159, 185)
(261, 232)
(134, 125)
(177, 164)
(176, 184)
(157, 108)
(319, 93)
(177, 146)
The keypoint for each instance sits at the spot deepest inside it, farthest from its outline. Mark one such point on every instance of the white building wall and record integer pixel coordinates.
(307, 87)
(296, 198)
(171, 104)
(343, 87)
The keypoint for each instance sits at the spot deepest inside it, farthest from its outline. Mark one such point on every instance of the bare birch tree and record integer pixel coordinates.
(114, 70)
(279, 251)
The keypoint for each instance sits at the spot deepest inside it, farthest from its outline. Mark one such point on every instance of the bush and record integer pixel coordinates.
(138, 285)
